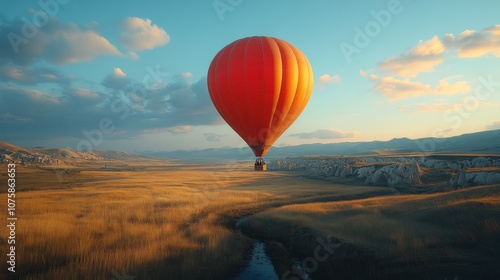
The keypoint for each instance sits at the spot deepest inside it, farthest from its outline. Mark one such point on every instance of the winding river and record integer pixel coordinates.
(260, 266)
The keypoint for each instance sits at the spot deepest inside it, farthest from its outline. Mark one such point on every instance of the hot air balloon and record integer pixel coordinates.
(260, 85)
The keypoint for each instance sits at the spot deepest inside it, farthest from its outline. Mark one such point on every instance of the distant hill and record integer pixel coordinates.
(485, 142)
(40, 155)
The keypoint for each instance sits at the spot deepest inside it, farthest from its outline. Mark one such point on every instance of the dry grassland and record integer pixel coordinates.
(154, 219)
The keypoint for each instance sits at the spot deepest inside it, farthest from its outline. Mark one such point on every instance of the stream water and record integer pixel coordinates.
(259, 266)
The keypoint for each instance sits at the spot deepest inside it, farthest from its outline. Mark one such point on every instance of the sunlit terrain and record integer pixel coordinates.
(157, 219)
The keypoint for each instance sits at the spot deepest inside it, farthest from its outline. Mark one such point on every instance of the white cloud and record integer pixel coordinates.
(326, 134)
(116, 80)
(186, 75)
(58, 43)
(327, 78)
(79, 45)
(363, 73)
(141, 34)
(133, 55)
(85, 93)
(422, 58)
(429, 54)
(119, 72)
(471, 44)
(445, 88)
(395, 89)
(180, 129)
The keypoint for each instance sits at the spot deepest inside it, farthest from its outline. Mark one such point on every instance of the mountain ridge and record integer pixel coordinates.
(483, 142)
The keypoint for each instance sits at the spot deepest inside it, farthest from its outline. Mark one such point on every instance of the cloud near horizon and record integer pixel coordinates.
(444, 106)
(326, 134)
(494, 125)
(131, 107)
(213, 137)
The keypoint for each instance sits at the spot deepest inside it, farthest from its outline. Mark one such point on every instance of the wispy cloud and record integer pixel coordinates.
(186, 75)
(326, 134)
(83, 94)
(29, 97)
(427, 108)
(395, 89)
(364, 73)
(213, 137)
(31, 75)
(181, 129)
(444, 106)
(494, 125)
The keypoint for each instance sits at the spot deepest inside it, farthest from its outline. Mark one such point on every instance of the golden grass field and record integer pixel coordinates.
(157, 219)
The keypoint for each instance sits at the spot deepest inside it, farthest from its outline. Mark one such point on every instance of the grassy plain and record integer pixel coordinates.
(451, 235)
(155, 219)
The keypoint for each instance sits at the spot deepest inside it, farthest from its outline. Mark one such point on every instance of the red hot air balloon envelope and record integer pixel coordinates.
(260, 85)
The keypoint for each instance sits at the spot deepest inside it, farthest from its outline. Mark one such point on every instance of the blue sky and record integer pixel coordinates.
(132, 75)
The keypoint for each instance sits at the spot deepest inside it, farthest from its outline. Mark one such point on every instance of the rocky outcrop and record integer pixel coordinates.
(430, 162)
(394, 171)
(6, 158)
(466, 179)
(395, 175)
(391, 174)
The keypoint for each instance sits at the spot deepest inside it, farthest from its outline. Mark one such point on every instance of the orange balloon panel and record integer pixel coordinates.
(260, 85)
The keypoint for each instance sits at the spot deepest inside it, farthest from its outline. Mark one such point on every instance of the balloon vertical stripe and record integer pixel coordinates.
(260, 85)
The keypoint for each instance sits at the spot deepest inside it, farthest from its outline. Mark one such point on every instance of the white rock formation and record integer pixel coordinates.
(465, 179)
(395, 174)
(392, 171)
